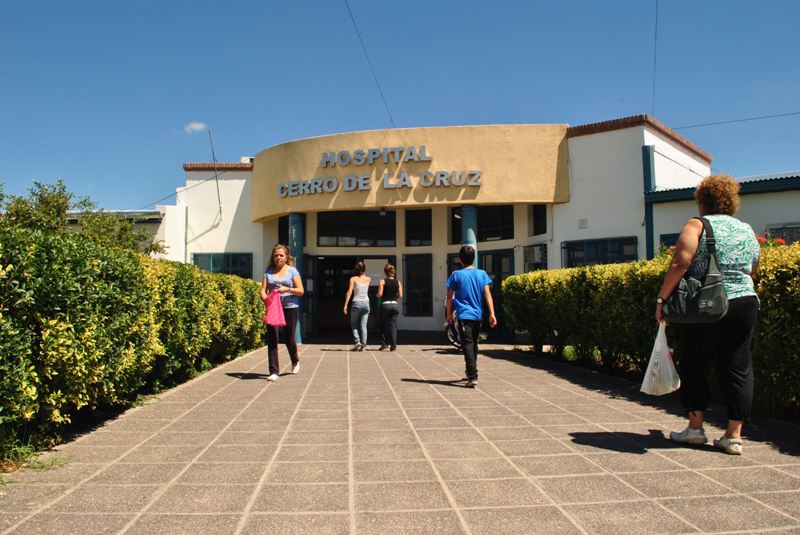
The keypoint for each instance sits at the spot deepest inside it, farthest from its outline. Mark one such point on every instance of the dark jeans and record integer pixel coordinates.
(389, 313)
(470, 329)
(726, 344)
(291, 344)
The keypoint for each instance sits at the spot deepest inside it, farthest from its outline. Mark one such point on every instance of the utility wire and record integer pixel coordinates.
(655, 55)
(738, 120)
(364, 48)
(182, 189)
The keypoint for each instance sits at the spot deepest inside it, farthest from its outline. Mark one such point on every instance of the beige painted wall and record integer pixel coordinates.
(518, 164)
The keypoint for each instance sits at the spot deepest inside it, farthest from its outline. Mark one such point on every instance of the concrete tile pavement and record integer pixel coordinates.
(379, 442)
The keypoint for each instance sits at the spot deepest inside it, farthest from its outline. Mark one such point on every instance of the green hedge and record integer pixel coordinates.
(86, 326)
(607, 312)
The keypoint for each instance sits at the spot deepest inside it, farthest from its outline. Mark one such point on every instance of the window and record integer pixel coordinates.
(455, 226)
(789, 232)
(368, 228)
(668, 240)
(494, 223)
(418, 228)
(283, 230)
(535, 257)
(240, 264)
(593, 252)
(538, 219)
(418, 286)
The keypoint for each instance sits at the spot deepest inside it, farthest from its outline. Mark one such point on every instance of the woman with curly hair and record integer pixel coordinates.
(727, 342)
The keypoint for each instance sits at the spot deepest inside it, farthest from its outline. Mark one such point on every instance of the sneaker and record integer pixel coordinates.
(273, 377)
(731, 446)
(356, 347)
(689, 436)
(471, 383)
(392, 348)
(383, 346)
(296, 369)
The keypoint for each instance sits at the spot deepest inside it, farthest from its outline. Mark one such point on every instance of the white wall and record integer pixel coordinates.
(763, 210)
(172, 232)
(760, 210)
(606, 188)
(674, 167)
(211, 230)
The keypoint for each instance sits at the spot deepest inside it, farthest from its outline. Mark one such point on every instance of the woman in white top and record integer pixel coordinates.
(359, 315)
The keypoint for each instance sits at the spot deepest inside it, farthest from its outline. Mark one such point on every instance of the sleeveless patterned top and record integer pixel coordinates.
(737, 252)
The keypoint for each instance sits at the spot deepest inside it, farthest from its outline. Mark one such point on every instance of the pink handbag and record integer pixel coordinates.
(274, 314)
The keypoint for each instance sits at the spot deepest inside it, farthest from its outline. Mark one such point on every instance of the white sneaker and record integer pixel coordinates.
(731, 446)
(689, 436)
(296, 369)
(273, 377)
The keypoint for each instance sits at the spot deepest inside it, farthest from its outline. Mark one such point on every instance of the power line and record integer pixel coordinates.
(738, 120)
(655, 55)
(182, 189)
(364, 48)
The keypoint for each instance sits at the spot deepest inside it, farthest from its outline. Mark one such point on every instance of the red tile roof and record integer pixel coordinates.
(640, 120)
(209, 166)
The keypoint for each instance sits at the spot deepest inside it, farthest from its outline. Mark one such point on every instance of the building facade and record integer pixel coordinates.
(527, 196)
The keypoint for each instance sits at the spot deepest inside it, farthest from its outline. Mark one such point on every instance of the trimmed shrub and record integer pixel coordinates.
(86, 326)
(607, 313)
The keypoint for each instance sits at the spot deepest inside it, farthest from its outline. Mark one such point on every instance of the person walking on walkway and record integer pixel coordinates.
(466, 290)
(283, 277)
(359, 315)
(727, 342)
(390, 291)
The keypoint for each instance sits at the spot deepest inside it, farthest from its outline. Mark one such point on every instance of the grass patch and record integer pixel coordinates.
(143, 399)
(15, 455)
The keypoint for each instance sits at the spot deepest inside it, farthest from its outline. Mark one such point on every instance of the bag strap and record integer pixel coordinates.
(711, 244)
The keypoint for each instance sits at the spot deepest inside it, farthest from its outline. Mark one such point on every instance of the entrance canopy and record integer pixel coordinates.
(409, 167)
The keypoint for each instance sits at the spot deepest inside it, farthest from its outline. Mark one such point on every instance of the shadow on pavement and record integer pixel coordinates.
(245, 376)
(454, 382)
(624, 442)
(779, 433)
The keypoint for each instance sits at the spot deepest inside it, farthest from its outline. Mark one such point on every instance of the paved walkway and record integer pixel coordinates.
(379, 442)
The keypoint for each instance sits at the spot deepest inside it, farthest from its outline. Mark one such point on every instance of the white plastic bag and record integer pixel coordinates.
(661, 377)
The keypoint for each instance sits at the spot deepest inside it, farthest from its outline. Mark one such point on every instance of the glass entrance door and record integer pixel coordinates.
(333, 278)
(498, 265)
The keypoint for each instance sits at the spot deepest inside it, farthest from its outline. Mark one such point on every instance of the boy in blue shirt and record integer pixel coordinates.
(466, 289)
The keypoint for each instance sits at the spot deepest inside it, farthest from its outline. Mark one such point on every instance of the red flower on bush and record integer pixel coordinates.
(768, 240)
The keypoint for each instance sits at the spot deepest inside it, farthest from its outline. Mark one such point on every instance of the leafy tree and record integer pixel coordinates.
(51, 208)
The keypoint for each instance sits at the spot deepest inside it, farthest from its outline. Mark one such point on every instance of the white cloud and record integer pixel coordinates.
(195, 126)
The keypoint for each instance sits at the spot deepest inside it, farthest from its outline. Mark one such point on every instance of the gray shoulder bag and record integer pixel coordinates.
(699, 300)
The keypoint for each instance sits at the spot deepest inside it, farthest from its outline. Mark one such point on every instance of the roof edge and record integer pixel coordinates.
(210, 166)
(785, 183)
(640, 120)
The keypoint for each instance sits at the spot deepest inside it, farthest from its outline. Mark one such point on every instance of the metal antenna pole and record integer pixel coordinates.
(216, 179)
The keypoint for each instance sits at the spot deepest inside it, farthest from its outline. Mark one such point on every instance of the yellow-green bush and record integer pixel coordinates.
(610, 309)
(776, 348)
(85, 326)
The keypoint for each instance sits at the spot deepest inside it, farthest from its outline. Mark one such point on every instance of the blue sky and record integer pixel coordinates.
(100, 92)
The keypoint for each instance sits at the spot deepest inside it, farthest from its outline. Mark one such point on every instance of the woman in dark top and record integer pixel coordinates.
(391, 292)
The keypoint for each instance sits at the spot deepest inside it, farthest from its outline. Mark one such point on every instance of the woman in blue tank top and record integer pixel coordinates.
(283, 277)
